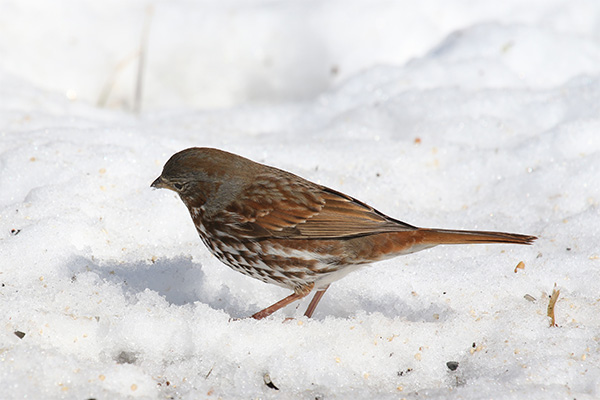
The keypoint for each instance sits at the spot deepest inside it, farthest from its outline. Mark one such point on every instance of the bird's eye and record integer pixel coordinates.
(178, 186)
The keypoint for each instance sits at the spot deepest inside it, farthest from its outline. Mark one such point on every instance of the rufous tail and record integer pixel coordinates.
(447, 236)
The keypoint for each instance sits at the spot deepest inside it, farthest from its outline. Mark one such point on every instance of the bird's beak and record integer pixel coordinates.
(159, 184)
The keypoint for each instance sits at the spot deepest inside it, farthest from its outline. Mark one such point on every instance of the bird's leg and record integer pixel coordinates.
(297, 295)
(315, 300)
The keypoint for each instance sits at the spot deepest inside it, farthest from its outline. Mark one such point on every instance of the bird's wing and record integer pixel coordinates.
(296, 209)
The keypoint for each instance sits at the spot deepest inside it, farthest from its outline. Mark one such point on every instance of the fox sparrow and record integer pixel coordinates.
(282, 229)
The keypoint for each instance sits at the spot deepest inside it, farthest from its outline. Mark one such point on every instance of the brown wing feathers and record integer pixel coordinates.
(292, 212)
(343, 216)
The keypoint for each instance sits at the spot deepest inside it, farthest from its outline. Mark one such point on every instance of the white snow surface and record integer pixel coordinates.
(441, 113)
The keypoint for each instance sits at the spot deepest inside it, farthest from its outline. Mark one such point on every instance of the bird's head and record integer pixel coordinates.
(197, 175)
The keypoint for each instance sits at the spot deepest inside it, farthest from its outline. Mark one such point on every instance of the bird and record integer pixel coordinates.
(282, 229)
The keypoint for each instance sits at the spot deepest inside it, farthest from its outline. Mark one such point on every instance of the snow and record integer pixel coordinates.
(451, 114)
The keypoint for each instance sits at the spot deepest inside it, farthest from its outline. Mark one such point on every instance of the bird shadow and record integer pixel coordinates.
(181, 281)
(178, 280)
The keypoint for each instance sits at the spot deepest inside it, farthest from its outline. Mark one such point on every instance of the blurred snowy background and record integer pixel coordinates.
(452, 114)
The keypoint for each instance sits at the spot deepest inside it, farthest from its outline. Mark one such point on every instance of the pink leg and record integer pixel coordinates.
(315, 300)
(297, 295)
